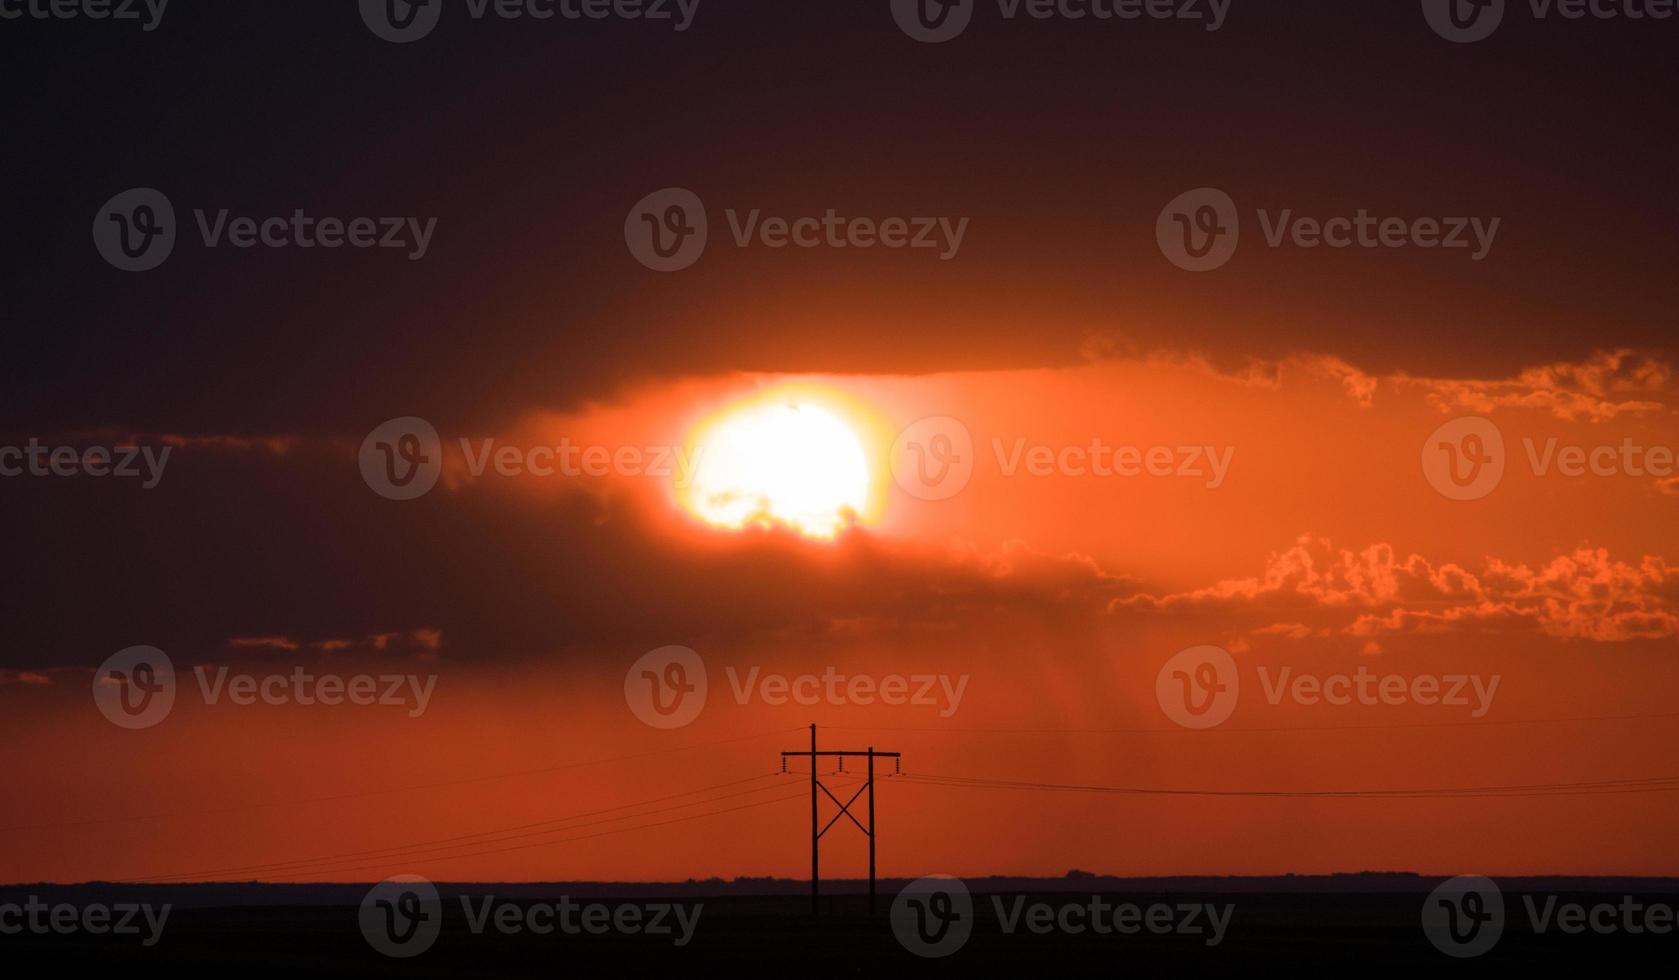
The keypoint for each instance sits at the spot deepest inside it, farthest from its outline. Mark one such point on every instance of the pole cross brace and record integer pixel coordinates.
(845, 808)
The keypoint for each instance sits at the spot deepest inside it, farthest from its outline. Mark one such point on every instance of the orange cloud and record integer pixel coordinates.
(1582, 596)
(1586, 595)
(1260, 373)
(278, 445)
(1600, 388)
(1604, 386)
(422, 641)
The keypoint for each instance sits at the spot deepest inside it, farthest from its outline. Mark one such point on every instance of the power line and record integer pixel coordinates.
(362, 794)
(474, 843)
(604, 833)
(325, 863)
(1602, 787)
(1225, 730)
(480, 837)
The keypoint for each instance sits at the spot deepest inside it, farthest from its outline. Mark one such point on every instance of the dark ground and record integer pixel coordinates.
(1364, 923)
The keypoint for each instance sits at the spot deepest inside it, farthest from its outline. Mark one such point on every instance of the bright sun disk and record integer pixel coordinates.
(782, 462)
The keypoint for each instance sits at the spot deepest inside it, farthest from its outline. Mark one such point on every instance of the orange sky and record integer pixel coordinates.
(1322, 549)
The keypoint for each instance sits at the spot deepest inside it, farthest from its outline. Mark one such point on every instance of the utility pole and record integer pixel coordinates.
(816, 787)
(871, 830)
(815, 836)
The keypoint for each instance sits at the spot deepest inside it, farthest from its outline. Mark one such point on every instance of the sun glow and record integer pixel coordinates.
(779, 461)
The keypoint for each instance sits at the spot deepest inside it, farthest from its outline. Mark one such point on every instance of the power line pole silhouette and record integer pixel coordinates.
(844, 809)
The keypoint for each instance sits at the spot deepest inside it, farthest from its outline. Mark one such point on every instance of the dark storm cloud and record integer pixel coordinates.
(243, 550)
(527, 144)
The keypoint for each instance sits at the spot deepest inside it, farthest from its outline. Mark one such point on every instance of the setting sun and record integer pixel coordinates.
(785, 462)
